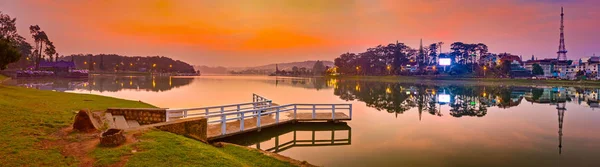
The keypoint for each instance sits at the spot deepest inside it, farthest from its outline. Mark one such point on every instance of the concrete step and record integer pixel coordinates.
(120, 122)
(133, 123)
(110, 120)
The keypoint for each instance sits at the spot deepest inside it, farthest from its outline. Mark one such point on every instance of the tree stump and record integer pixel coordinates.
(112, 137)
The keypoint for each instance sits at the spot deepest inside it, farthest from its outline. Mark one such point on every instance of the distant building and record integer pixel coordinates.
(59, 67)
(551, 67)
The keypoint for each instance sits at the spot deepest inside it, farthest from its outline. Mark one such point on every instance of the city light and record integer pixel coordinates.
(445, 61)
(153, 65)
(444, 98)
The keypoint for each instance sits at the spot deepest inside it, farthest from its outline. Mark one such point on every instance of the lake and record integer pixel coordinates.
(394, 124)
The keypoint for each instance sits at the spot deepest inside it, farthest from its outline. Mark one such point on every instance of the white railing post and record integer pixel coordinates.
(238, 110)
(277, 116)
(333, 112)
(295, 111)
(258, 119)
(206, 112)
(350, 108)
(314, 111)
(223, 125)
(242, 122)
(185, 113)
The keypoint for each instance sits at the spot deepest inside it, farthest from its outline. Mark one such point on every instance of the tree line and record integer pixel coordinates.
(400, 59)
(15, 48)
(116, 63)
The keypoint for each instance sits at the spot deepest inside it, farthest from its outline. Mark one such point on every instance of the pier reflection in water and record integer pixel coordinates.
(307, 134)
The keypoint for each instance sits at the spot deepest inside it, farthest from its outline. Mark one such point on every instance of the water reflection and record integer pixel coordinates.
(472, 101)
(280, 138)
(317, 83)
(106, 83)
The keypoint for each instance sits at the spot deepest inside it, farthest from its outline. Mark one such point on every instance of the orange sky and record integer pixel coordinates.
(246, 33)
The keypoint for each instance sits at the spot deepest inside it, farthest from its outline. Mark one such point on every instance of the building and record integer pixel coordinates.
(59, 67)
(553, 68)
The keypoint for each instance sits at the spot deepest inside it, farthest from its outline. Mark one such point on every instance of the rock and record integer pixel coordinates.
(218, 144)
(112, 137)
(83, 122)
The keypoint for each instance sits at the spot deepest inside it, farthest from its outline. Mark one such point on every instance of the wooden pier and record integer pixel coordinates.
(228, 120)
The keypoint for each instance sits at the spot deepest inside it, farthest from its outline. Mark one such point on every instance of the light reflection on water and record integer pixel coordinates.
(394, 124)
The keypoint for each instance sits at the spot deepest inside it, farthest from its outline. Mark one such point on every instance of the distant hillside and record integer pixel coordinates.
(264, 69)
(212, 70)
(288, 66)
(111, 62)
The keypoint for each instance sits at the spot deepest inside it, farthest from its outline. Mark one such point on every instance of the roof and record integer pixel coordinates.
(58, 64)
(548, 61)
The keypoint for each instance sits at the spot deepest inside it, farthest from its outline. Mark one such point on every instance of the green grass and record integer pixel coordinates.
(2, 78)
(107, 156)
(491, 81)
(28, 116)
(158, 148)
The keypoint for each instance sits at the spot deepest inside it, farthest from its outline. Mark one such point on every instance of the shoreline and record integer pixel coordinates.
(463, 80)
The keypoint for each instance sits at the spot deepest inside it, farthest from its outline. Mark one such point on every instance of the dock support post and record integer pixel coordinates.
(206, 112)
(332, 136)
(314, 111)
(185, 114)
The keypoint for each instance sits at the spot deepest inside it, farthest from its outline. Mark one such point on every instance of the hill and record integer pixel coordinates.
(111, 62)
(288, 66)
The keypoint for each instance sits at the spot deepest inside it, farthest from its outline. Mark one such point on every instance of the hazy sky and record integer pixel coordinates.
(245, 33)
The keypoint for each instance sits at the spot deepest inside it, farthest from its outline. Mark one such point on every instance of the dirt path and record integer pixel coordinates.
(80, 145)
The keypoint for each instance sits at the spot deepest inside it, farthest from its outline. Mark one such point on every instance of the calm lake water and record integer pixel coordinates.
(394, 124)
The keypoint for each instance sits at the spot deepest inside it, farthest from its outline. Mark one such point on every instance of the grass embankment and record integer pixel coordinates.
(30, 119)
(464, 80)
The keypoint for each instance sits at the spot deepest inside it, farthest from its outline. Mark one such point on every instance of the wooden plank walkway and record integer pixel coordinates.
(233, 127)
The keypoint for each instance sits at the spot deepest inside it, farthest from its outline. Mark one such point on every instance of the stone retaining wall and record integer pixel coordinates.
(144, 116)
(195, 128)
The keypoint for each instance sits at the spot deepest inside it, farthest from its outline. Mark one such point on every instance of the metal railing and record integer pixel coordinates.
(257, 109)
(258, 102)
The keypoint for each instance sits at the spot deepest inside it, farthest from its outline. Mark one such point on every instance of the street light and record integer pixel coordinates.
(484, 69)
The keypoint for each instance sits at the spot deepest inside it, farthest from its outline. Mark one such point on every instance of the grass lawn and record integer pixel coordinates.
(2, 78)
(160, 148)
(29, 116)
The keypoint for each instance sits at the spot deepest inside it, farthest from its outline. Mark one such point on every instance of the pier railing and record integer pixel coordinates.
(258, 102)
(261, 107)
(296, 112)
